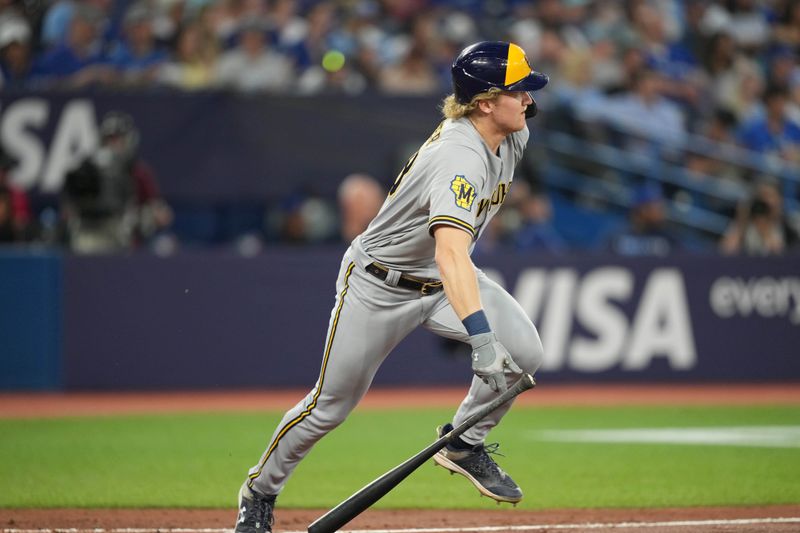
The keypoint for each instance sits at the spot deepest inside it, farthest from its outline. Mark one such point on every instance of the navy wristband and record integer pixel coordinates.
(476, 323)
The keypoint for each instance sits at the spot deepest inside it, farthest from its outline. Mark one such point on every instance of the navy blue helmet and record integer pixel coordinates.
(487, 64)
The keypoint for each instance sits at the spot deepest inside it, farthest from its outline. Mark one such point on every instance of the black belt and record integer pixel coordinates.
(424, 286)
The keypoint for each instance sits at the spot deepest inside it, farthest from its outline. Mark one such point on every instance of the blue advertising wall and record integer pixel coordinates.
(218, 320)
(30, 319)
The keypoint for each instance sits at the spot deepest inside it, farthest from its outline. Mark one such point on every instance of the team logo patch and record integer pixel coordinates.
(464, 192)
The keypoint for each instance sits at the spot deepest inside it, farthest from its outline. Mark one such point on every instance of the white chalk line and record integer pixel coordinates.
(477, 529)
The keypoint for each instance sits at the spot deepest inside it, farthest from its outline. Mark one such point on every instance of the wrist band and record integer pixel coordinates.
(476, 323)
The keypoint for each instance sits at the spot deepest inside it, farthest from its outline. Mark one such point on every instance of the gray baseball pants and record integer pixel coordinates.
(368, 320)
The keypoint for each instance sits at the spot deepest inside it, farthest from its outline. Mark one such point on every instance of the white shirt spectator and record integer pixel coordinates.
(252, 66)
(267, 71)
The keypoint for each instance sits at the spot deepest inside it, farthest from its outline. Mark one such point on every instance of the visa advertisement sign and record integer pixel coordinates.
(225, 321)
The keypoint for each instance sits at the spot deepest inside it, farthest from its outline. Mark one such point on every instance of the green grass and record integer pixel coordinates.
(196, 460)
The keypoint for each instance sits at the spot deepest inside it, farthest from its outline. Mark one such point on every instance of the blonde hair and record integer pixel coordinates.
(451, 108)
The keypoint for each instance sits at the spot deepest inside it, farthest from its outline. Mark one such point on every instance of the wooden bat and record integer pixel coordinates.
(364, 498)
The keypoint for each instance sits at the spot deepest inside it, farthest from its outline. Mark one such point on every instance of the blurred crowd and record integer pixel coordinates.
(704, 53)
(663, 72)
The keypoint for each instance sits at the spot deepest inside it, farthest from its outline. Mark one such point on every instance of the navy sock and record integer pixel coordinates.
(459, 444)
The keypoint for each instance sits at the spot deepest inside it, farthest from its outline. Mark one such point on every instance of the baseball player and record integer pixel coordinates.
(412, 267)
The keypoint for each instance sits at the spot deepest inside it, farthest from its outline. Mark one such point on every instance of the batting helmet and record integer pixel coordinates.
(487, 64)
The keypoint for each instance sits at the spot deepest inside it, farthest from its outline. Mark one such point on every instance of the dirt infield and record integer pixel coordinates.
(700, 519)
(37, 405)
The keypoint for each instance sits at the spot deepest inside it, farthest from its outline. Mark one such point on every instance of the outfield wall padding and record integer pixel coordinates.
(217, 320)
(30, 319)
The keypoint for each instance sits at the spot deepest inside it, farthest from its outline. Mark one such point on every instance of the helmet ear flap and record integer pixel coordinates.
(532, 109)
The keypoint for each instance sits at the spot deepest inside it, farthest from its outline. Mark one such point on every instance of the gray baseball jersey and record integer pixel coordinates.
(454, 180)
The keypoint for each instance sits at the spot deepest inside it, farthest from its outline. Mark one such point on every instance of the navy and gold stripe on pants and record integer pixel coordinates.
(299, 418)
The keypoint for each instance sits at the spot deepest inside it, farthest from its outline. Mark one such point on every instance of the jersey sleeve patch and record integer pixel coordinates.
(451, 221)
(463, 191)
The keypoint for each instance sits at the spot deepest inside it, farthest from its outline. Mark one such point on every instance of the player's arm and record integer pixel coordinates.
(489, 358)
(456, 269)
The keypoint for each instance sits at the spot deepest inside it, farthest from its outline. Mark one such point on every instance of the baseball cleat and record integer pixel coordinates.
(255, 512)
(476, 465)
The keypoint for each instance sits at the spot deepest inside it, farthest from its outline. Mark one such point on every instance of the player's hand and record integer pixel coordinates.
(490, 360)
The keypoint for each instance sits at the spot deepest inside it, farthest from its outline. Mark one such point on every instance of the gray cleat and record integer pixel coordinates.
(255, 512)
(478, 467)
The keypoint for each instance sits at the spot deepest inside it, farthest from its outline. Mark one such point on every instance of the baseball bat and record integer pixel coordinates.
(361, 500)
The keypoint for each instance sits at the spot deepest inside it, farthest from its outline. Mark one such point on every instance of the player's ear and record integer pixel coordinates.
(486, 106)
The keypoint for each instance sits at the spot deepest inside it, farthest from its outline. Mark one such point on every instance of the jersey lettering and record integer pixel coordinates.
(410, 163)
(482, 206)
(464, 192)
(403, 173)
(499, 195)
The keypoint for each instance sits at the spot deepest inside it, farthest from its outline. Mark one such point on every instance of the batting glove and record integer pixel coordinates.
(490, 360)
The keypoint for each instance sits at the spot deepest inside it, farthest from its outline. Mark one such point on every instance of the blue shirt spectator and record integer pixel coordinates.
(772, 133)
(636, 112)
(756, 135)
(71, 60)
(646, 233)
(138, 52)
(64, 61)
(56, 23)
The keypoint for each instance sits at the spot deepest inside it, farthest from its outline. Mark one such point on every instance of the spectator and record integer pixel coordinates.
(787, 28)
(167, 17)
(745, 20)
(111, 202)
(79, 61)
(631, 62)
(577, 95)
(337, 77)
(773, 134)
(646, 233)
(287, 27)
(7, 230)
(17, 212)
(194, 60)
(222, 18)
(252, 65)
(55, 24)
(712, 161)
(360, 198)
(536, 232)
(303, 217)
(740, 89)
(15, 52)
(693, 37)
(413, 75)
(672, 60)
(311, 40)
(138, 56)
(782, 67)
(635, 112)
(760, 227)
